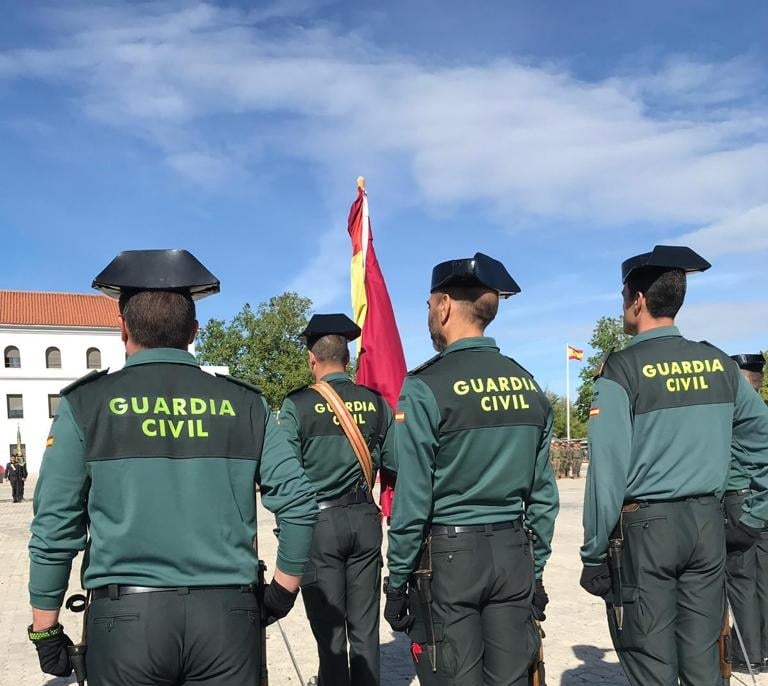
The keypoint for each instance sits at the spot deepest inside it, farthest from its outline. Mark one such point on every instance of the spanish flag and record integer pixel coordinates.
(380, 358)
(575, 353)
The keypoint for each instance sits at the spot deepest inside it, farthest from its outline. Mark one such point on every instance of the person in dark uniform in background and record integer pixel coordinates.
(472, 434)
(342, 581)
(16, 472)
(665, 414)
(746, 570)
(152, 470)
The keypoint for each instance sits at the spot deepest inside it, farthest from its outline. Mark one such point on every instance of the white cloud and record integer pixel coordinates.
(682, 144)
(326, 276)
(729, 325)
(744, 232)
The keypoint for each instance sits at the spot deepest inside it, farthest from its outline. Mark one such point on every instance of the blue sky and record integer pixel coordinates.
(559, 137)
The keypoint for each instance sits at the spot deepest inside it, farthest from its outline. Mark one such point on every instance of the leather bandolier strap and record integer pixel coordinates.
(350, 428)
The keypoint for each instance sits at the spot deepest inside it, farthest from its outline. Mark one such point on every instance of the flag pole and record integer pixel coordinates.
(567, 396)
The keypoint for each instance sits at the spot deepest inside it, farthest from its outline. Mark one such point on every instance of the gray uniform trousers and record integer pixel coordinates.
(741, 572)
(482, 588)
(341, 588)
(673, 575)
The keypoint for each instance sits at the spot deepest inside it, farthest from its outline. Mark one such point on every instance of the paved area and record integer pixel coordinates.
(577, 648)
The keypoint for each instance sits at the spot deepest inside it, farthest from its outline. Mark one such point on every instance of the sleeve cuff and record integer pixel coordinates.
(48, 585)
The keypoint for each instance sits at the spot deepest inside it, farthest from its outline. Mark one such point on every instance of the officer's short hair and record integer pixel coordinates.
(664, 290)
(481, 304)
(331, 348)
(159, 319)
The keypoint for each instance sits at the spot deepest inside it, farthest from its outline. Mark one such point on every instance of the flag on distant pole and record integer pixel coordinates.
(571, 353)
(380, 358)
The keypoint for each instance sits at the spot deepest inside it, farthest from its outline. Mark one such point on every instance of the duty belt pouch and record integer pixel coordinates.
(351, 429)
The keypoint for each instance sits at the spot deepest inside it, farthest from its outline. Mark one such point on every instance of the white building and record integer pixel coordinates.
(48, 340)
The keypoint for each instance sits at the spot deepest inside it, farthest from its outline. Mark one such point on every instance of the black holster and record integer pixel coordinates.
(421, 583)
(79, 603)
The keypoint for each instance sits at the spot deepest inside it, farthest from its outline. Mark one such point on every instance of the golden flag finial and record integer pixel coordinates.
(361, 182)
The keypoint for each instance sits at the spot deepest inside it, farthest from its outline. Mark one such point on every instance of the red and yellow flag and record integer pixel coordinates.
(575, 353)
(380, 358)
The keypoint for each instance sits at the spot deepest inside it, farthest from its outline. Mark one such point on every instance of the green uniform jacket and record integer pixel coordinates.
(320, 443)
(667, 416)
(157, 465)
(472, 433)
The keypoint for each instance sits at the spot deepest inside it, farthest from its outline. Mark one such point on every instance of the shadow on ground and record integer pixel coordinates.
(594, 669)
(396, 666)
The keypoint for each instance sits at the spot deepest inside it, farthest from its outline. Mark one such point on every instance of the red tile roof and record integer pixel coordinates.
(58, 309)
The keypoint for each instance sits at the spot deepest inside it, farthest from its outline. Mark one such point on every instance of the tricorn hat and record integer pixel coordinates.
(471, 272)
(330, 325)
(665, 257)
(133, 271)
(753, 362)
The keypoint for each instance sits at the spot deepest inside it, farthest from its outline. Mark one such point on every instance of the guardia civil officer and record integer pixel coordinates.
(665, 414)
(341, 586)
(746, 569)
(152, 470)
(472, 434)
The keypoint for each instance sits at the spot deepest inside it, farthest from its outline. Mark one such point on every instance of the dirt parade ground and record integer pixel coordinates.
(577, 647)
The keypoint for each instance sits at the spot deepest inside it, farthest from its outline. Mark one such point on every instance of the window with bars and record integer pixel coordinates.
(12, 357)
(93, 358)
(53, 405)
(15, 406)
(53, 358)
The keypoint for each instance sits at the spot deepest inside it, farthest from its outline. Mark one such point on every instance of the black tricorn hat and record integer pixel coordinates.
(665, 257)
(330, 325)
(471, 272)
(156, 270)
(753, 362)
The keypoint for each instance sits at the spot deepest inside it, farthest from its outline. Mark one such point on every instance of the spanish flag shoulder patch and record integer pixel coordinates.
(594, 412)
(399, 416)
(49, 442)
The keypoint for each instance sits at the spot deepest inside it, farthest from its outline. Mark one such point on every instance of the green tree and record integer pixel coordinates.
(559, 426)
(262, 347)
(764, 387)
(607, 335)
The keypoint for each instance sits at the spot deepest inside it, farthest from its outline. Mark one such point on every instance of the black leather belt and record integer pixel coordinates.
(354, 498)
(449, 530)
(634, 505)
(115, 591)
(741, 491)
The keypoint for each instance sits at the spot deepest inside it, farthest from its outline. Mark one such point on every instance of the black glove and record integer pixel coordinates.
(740, 537)
(540, 600)
(396, 607)
(278, 601)
(51, 645)
(596, 579)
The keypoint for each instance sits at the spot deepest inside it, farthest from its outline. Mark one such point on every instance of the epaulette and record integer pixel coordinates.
(599, 371)
(519, 365)
(91, 376)
(424, 365)
(297, 389)
(239, 382)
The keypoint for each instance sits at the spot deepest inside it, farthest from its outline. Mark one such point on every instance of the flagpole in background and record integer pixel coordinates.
(568, 392)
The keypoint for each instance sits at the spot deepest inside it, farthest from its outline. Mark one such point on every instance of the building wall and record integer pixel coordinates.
(35, 382)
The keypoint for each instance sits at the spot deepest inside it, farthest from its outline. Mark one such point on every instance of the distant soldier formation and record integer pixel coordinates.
(154, 470)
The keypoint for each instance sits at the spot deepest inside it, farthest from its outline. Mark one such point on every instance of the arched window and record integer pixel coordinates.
(53, 358)
(93, 358)
(12, 357)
